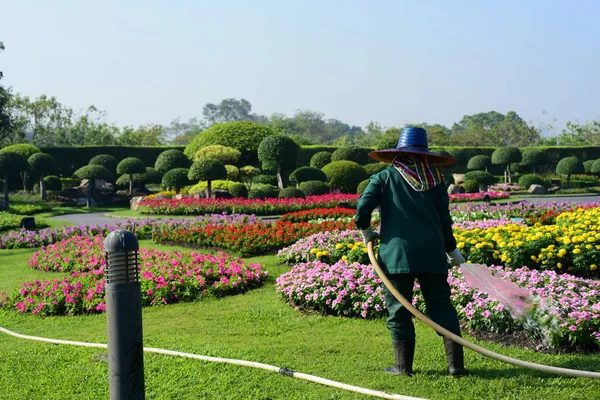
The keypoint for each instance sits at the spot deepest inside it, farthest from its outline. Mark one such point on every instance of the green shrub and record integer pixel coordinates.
(587, 166)
(320, 159)
(227, 155)
(304, 174)
(344, 175)
(534, 158)
(24, 149)
(358, 154)
(375, 168)
(207, 169)
(67, 183)
(171, 159)
(527, 180)
(481, 177)
(107, 161)
(244, 136)
(595, 167)
(238, 190)
(218, 184)
(362, 186)
(314, 188)
(470, 186)
(233, 172)
(53, 182)
(93, 172)
(291, 192)
(263, 192)
(480, 162)
(175, 178)
(152, 176)
(265, 179)
(569, 166)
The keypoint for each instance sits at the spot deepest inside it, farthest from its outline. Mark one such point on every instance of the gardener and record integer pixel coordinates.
(416, 241)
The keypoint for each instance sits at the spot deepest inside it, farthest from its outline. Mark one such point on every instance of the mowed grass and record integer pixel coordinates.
(257, 326)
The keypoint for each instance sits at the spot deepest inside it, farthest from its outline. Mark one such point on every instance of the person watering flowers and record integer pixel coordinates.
(416, 241)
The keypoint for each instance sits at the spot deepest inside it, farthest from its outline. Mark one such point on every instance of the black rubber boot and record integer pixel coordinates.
(455, 357)
(404, 351)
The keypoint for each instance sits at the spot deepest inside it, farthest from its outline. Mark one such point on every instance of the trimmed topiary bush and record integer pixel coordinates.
(52, 182)
(131, 166)
(227, 155)
(175, 179)
(529, 179)
(587, 166)
(152, 176)
(320, 159)
(265, 180)
(233, 172)
(362, 186)
(480, 162)
(506, 156)
(569, 166)
(11, 164)
(40, 165)
(24, 149)
(344, 175)
(291, 192)
(107, 161)
(244, 136)
(304, 174)
(481, 177)
(276, 153)
(239, 190)
(470, 186)
(314, 188)
(207, 169)
(375, 168)
(92, 172)
(357, 154)
(171, 159)
(534, 158)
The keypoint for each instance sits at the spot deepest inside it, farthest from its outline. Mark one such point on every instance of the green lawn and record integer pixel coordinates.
(256, 326)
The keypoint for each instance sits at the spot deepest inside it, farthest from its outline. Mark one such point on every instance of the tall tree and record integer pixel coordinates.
(494, 129)
(5, 120)
(91, 128)
(182, 133)
(144, 135)
(228, 110)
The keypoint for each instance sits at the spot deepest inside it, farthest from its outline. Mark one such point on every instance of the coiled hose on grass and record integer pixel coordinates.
(485, 352)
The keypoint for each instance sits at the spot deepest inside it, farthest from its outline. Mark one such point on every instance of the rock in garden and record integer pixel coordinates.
(455, 189)
(134, 203)
(458, 178)
(536, 189)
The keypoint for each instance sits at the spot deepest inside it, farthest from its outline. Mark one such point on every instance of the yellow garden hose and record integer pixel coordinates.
(488, 353)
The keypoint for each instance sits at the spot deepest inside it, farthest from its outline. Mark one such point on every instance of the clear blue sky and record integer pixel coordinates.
(388, 61)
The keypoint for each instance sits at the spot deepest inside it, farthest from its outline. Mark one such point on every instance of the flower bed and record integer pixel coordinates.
(465, 197)
(166, 277)
(10, 221)
(328, 247)
(252, 239)
(506, 187)
(490, 223)
(143, 229)
(568, 313)
(316, 213)
(193, 206)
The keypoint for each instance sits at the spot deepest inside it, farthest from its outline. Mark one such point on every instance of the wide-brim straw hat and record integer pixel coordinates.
(413, 140)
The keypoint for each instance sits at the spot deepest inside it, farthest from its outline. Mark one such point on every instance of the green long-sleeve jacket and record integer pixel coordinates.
(416, 227)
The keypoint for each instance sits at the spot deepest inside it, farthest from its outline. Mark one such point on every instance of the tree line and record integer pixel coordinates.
(44, 121)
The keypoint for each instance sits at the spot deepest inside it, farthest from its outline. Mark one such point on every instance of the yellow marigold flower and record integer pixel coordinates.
(559, 265)
(325, 252)
(339, 246)
(345, 258)
(478, 245)
(593, 267)
(589, 246)
(576, 251)
(567, 241)
(358, 243)
(319, 254)
(460, 245)
(350, 245)
(314, 251)
(562, 252)
(533, 258)
(365, 250)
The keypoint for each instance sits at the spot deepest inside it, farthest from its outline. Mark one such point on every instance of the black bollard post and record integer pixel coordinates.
(124, 317)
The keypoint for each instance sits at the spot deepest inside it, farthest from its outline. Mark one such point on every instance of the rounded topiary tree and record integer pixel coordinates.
(314, 188)
(42, 164)
(479, 162)
(107, 161)
(534, 158)
(569, 166)
(226, 155)
(152, 176)
(530, 179)
(482, 178)
(304, 174)
(344, 175)
(24, 149)
(233, 172)
(276, 153)
(587, 166)
(291, 193)
(506, 156)
(52, 182)
(91, 173)
(175, 179)
(375, 168)
(247, 175)
(595, 167)
(357, 154)
(470, 186)
(320, 159)
(244, 136)
(207, 169)
(130, 166)
(171, 159)
(238, 190)
(11, 163)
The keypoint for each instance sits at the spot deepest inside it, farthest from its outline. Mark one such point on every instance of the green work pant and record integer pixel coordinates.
(436, 292)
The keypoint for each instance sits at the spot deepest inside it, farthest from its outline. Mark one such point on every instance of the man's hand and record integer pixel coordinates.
(455, 258)
(369, 234)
